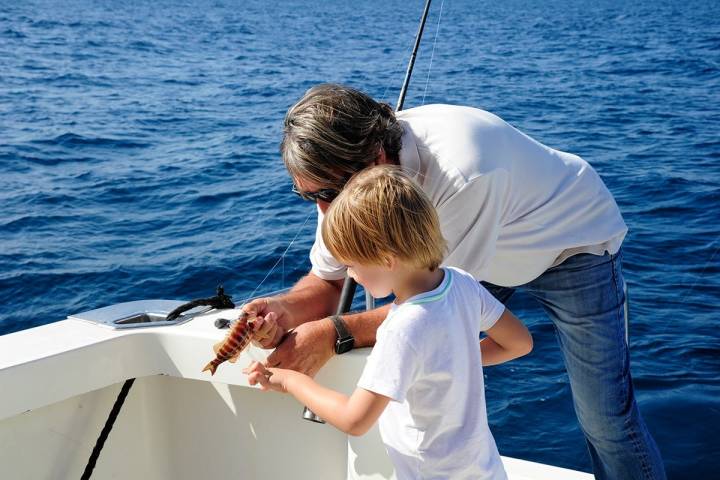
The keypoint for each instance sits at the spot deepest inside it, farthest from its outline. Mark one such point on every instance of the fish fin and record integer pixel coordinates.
(217, 346)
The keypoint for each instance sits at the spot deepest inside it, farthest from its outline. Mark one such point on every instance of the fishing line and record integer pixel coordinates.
(395, 71)
(432, 54)
(282, 258)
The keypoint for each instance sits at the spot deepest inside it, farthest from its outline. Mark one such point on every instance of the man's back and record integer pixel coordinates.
(509, 206)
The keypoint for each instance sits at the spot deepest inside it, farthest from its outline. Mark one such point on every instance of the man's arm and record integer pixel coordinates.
(313, 298)
(363, 325)
(309, 299)
(310, 345)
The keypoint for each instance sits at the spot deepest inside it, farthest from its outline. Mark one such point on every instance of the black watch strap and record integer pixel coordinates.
(345, 342)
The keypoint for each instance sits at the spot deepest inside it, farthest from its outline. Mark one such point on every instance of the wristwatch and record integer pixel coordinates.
(345, 342)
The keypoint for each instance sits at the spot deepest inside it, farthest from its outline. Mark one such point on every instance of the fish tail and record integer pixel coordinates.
(211, 366)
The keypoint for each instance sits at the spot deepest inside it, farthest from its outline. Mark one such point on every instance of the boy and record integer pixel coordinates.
(423, 379)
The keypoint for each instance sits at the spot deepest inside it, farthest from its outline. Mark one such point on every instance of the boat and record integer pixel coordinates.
(60, 381)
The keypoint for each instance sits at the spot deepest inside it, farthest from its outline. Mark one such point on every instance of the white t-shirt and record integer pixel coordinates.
(509, 207)
(427, 360)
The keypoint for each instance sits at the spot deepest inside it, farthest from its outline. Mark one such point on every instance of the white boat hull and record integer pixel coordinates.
(59, 382)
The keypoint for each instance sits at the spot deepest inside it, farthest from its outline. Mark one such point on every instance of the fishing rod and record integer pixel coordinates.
(413, 55)
(350, 285)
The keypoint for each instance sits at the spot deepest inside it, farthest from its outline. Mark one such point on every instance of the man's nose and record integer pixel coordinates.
(323, 206)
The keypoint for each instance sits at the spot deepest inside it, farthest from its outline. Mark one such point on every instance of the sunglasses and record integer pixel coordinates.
(326, 195)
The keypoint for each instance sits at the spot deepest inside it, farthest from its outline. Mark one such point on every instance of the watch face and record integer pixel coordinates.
(344, 345)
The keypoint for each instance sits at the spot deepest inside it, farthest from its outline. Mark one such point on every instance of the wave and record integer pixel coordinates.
(70, 139)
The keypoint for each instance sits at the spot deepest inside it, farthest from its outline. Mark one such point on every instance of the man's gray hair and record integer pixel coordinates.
(335, 131)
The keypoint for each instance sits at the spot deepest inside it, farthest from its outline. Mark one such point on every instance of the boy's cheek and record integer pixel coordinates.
(380, 291)
(376, 287)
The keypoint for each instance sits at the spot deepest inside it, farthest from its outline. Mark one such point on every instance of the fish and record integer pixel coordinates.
(237, 339)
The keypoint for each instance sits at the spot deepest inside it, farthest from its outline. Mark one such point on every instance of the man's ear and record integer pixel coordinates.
(381, 158)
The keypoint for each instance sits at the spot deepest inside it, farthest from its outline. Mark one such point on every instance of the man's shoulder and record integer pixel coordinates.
(455, 144)
(448, 112)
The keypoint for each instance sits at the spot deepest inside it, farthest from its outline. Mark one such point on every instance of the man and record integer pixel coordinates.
(515, 213)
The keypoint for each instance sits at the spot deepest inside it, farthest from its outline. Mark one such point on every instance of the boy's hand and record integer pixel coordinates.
(267, 378)
(266, 331)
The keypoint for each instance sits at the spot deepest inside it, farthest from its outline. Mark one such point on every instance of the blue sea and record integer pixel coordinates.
(139, 159)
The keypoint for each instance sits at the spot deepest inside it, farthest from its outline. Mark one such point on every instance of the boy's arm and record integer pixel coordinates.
(354, 415)
(507, 339)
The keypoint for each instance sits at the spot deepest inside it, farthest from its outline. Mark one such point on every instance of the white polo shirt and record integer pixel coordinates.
(509, 207)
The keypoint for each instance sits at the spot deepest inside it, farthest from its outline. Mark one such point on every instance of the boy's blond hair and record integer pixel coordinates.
(382, 213)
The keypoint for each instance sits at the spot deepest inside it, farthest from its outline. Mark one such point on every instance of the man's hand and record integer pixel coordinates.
(306, 348)
(266, 331)
(273, 320)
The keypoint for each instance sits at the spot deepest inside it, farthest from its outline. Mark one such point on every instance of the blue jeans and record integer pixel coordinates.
(584, 298)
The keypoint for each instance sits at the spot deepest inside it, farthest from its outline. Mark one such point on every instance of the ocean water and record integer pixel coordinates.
(139, 159)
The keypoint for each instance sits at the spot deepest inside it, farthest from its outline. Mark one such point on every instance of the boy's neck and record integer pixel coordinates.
(415, 281)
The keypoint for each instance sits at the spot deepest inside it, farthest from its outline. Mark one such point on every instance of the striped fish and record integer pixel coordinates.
(237, 339)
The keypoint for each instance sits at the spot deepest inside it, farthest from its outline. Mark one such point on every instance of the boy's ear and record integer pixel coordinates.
(390, 262)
